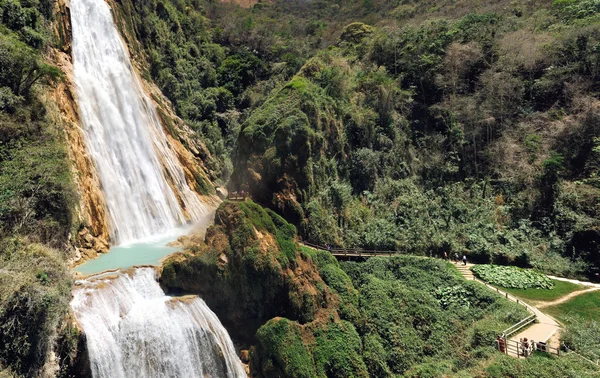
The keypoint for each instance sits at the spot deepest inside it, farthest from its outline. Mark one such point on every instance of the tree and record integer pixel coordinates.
(22, 67)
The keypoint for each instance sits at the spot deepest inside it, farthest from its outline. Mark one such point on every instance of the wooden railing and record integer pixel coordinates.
(518, 326)
(237, 196)
(525, 349)
(352, 252)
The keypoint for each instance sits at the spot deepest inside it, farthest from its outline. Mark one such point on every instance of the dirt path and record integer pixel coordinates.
(577, 282)
(565, 298)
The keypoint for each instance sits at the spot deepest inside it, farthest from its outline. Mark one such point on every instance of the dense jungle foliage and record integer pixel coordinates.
(473, 134)
(419, 126)
(306, 315)
(37, 199)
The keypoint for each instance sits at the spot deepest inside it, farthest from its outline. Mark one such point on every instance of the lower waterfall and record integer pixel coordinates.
(134, 330)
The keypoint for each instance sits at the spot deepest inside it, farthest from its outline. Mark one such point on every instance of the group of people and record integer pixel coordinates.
(525, 345)
(455, 258)
(237, 195)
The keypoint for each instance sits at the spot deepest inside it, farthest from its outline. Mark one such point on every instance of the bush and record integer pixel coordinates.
(35, 291)
(282, 351)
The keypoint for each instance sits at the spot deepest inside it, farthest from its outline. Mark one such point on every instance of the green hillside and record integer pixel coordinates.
(425, 127)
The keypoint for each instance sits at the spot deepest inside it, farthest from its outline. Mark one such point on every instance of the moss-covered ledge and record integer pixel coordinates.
(249, 270)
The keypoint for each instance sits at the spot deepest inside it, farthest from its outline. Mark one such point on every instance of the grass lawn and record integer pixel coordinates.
(560, 289)
(586, 305)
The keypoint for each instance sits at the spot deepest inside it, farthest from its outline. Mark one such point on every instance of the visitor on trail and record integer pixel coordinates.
(501, 346)
(445, 255)
(525, 347)
(464, 259)
(456, 258)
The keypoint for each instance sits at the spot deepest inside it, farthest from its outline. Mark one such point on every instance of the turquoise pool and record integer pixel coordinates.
(123, 257)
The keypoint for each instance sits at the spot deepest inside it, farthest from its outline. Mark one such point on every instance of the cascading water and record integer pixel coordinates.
(134, 330)
(144, 185)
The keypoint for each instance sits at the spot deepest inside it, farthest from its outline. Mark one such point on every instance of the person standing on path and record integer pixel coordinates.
(464, 259)
(456, 258)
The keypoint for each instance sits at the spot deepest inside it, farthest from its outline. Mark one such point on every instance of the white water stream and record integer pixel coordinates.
(123, 134)
(132, 328)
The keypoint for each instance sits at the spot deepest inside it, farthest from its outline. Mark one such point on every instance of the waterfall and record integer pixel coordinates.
(134, 330)
(144, 185)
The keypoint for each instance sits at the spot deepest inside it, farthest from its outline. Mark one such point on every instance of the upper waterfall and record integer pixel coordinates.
(144, 185)
(134, 330)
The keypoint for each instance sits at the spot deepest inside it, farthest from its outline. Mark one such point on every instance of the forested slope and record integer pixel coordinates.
(298, 312)
(474, 134)
(423, 126)
(37, 200)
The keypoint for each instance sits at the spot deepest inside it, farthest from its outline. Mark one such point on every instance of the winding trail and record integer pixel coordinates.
(566, 297)
(577, 282)
(542, 330)
(545, 327)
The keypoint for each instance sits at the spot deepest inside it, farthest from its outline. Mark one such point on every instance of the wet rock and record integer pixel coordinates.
(245, 356)
(222, 192)
(88, 253)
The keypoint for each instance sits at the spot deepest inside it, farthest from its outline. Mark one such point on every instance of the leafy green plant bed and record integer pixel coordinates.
(512, 277)
(559, 289)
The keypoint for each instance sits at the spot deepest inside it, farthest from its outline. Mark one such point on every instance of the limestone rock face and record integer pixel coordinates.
(190, 150)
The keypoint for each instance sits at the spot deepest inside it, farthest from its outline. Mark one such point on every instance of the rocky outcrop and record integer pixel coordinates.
(249, 271)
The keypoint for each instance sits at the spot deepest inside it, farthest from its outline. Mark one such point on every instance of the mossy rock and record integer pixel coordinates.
(249, 271)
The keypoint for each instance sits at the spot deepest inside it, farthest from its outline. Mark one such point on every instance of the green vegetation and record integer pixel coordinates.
(37, 200)
(385, 317)
(434, 130)
(36, 193)
(559, 289)
(245, 272)
(35, 291)
(582, 335)
(427, 127)
(541, 365)
(512, 277)
(584, 305)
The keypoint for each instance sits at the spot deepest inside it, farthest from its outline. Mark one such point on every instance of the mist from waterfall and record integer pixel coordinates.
(144, 185)
(134, 330)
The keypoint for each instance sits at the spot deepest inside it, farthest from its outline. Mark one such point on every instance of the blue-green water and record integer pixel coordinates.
(123, 257)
